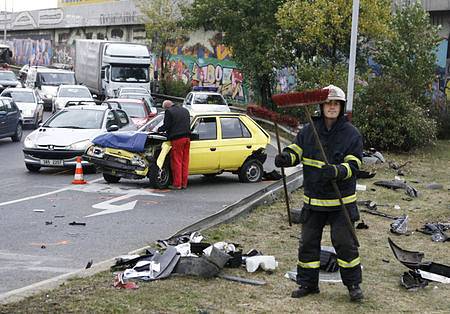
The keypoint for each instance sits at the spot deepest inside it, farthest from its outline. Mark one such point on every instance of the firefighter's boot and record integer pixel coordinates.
(355, 293)
(304, 291)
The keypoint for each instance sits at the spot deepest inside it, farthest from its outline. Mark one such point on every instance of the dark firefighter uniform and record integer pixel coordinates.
(343, 148)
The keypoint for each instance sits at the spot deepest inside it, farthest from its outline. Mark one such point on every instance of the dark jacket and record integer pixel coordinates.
(176, 123)
(343, 146)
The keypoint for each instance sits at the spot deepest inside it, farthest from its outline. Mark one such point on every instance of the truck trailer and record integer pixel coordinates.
(105, 66)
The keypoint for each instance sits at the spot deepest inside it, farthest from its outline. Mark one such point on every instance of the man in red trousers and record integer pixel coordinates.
(177, 126)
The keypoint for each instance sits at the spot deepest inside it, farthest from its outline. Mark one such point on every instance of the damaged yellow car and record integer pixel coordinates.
(220, 142)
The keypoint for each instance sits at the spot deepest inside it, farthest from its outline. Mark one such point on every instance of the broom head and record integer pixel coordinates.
(299, 99)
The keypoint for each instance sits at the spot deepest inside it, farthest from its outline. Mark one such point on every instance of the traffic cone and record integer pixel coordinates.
(78, 177)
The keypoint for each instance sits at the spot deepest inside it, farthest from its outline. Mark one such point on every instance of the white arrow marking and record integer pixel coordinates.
(111, 208)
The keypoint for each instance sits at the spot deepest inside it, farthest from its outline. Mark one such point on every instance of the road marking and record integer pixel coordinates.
(42, 195)
(110, 208)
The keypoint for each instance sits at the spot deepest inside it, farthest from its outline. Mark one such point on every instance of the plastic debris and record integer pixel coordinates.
(413, 281)
(400, 225)
(267, 263)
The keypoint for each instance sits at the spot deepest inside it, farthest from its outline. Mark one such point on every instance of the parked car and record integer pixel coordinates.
(46, 81)
(66, 93)
(137, 109)
(8, 79)
(220, 142)
(29, 103)
(136, 90)
(203, 99)
(147, 97)
(10, 120)
(68, 133)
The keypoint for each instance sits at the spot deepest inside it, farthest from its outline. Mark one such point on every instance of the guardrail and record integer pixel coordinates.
(233, 108)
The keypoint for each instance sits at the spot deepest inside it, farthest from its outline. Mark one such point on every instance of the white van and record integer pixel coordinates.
(46, 81)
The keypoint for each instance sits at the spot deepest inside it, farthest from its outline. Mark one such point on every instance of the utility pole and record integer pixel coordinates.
(351, 63)
(4, 26)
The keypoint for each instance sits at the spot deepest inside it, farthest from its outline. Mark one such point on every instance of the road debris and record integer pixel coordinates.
(39, 210)
(400, 225)
(398, 184)
(74, 223)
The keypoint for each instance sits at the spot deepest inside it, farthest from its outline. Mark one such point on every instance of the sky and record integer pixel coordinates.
(27, 5)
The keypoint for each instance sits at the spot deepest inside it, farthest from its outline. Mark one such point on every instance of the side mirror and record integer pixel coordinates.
(194, 136)
(113, 128)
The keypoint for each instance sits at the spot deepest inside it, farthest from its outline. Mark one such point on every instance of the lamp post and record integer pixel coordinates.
(352, 61)
(4, 26)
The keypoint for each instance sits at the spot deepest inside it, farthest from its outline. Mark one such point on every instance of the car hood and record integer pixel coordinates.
(209, 108)
(26, 105)
(64, 100)
(62, 137)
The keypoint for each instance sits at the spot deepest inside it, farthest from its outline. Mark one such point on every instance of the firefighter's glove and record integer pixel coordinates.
(331, 172)
(283, 160)
(328, 172)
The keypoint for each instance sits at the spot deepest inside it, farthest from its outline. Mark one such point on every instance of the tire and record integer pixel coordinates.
(251, 171)
(32, 168)
(160, 178)
(110, 178)
(18, 135)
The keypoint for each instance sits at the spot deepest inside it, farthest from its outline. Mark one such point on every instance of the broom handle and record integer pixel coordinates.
(286, 195)
(333, 182)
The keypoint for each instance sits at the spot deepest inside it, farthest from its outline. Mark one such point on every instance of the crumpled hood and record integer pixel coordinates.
(62, 137)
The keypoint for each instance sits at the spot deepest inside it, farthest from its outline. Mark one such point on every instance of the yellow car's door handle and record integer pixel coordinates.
(249, 146)
(213, 149)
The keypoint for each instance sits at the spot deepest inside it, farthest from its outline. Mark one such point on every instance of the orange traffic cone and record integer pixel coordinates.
(78, 177)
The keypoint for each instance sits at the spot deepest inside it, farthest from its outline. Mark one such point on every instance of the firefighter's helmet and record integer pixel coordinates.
(335, 93)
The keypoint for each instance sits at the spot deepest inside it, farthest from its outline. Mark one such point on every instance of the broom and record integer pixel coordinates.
(303, 99)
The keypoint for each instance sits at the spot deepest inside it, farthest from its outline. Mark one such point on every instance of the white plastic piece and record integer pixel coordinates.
(184, 249)
(396, 206)
(361, 187)
(223, 246)
(264, 261)
(433, 277)
(152, 269)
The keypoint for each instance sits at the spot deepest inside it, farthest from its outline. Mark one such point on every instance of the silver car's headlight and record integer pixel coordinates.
(81, 145)
(138, 161)
(95, 151)
(28, 142)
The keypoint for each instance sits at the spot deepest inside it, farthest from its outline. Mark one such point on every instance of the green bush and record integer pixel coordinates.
(390, 119)
(176, 88)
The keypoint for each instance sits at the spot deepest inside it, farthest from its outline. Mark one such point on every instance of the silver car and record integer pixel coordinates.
(67, 93)
(29, 103)
(205, 101)
(66, 135)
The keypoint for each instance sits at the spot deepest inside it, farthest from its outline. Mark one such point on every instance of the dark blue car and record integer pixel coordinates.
(10, 120)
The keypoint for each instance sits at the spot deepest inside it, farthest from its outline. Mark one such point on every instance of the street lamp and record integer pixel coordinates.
(352, 61)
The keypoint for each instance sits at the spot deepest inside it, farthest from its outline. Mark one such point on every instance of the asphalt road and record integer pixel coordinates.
(36, 208)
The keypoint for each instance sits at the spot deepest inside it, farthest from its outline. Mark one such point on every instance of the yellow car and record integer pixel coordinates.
(220, 142)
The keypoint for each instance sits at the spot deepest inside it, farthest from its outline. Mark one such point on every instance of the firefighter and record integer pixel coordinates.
(343, 145)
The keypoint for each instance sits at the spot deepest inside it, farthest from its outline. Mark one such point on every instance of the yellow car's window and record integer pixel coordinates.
(233, 128)
(206, 128)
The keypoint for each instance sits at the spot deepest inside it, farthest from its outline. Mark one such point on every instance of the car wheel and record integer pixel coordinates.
(160, 178)
(110, 178)
(18, 135)
(251, 171)
(32, 168)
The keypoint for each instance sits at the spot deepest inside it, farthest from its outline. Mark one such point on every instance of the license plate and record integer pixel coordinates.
(52, 162)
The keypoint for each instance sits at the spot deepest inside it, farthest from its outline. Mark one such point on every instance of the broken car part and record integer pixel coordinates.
(242, 280)
(436, 230)
(413, 260)
(400, 225)
(413, 281)
(267, 263)
(398, 184)
(74, 223)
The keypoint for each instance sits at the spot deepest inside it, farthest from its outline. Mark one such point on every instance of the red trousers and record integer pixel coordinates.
(179, 161)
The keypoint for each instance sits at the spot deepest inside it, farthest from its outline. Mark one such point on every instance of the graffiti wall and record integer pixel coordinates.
(202, 61)
(34, 50)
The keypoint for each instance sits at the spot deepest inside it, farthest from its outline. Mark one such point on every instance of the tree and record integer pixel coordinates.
(249, 28)
(317, 35)
(163, 25)
(409, 56)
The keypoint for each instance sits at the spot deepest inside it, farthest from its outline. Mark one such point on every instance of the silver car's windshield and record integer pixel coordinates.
(57, 79)
(77, 119)
(7, 76)
(22, 96)
(134, 110)
(74, 92)
(209, 99)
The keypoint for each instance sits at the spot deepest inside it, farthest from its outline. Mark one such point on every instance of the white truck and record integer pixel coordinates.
(105, 66)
